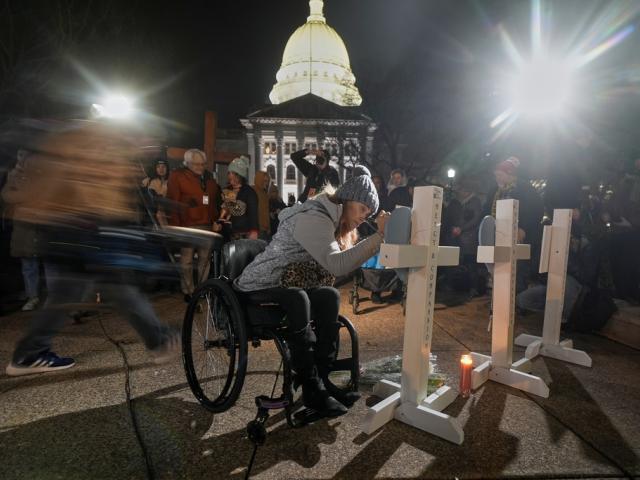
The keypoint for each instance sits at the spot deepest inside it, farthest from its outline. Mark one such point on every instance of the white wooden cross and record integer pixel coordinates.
(554, 257)
(499, 367)
(408, 401)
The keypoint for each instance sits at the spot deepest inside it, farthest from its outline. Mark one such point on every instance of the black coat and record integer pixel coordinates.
(530, 208)
(248, 220)
(316, 178)
(398, 196)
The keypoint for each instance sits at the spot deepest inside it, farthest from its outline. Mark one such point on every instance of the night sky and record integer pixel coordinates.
(427, 67)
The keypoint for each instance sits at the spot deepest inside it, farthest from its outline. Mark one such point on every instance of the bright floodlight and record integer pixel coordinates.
(451, 173)
(541, 88)
(114, 106)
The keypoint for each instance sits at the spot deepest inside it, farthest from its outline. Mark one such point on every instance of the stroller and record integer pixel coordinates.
(376, 278)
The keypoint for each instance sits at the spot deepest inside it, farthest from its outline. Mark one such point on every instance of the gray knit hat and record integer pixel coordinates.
(360, 189)
(361, 170)
(239, 166)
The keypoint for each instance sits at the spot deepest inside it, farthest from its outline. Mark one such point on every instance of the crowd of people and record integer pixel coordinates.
(63, 202)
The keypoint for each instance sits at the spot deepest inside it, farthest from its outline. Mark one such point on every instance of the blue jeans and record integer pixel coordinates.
(31, 275)
(66, 286)
(534, 298)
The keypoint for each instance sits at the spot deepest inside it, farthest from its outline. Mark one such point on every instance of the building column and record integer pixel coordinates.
(279, 161)
(368, 151)
(340, 141)
(251, 151)
(299, 176)
(320, 138)
(259, 148)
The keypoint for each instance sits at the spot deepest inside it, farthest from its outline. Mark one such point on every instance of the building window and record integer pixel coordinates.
(311, 146)
(289, 148)
(269, 148)
(291, 174)
(271, 171)
(332, 148)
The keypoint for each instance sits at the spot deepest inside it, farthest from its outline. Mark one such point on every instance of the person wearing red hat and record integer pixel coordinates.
(531, 210)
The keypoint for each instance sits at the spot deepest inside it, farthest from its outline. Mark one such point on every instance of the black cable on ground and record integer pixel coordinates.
(557, 418)
(255, 445)
(253, 457)
(132, 412)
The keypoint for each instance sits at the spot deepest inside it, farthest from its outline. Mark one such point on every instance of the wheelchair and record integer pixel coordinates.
(218, 328)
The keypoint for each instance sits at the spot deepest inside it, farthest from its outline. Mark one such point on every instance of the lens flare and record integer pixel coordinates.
(541, 87)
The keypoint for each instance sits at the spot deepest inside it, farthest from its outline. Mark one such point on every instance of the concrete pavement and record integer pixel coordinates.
(117, 415)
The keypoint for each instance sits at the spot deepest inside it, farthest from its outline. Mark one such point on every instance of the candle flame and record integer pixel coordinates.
(466, 360)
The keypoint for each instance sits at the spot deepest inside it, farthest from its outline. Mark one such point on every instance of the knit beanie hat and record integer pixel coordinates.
(361, 189)
(509, 166)
(240, 166)
(361, 170)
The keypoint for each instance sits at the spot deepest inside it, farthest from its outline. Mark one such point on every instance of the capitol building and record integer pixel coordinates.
(314, 103)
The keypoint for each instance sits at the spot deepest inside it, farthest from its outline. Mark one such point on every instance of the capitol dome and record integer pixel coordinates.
(316, 61)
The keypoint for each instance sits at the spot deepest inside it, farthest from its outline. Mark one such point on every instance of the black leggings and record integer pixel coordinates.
(320, 304)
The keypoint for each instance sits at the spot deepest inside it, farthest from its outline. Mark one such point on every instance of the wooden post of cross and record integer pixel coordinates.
(554, 257)
(408, 401)
(499, 366)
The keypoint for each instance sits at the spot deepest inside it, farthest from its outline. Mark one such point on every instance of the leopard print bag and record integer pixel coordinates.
(306, 275)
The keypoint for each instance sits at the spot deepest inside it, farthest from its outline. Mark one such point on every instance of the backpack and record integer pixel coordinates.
(592, 310)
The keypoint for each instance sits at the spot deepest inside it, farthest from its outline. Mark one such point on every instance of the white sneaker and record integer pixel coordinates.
(31, 304)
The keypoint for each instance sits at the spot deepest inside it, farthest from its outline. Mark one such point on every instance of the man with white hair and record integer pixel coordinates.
(197, 199)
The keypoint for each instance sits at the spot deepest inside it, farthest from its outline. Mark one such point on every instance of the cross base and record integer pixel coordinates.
(426, 416)
(518, 376)
(561, 351)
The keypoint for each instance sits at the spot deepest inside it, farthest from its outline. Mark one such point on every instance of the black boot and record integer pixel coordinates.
(314, 395)
(344, 396)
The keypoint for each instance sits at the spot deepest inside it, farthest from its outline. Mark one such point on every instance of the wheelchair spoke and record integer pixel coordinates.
(213, 345)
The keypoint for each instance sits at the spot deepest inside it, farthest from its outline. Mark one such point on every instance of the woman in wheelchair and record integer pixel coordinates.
(315, 242)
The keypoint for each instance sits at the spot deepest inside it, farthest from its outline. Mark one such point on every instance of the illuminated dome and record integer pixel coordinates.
(316, 61)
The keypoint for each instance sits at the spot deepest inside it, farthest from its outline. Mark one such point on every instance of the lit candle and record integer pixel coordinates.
(466, 365)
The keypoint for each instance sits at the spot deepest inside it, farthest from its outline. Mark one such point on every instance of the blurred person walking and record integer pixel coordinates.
(197, 203)
(76, 202)
(24, 235)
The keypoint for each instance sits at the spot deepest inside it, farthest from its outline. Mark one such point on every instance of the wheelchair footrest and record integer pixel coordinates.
(269, 403)
(305, 416)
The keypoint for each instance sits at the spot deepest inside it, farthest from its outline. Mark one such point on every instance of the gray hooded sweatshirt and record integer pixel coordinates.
(306, 232)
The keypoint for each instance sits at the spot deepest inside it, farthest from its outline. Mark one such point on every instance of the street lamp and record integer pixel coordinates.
(116, 106)
(541, 88)
(451, 173)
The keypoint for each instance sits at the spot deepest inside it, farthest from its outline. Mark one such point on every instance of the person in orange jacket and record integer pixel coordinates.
(197, 200)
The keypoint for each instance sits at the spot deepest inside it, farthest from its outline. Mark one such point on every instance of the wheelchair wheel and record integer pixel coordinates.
(214, 345)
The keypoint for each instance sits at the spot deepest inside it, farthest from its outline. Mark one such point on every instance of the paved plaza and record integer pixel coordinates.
(117, 415)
